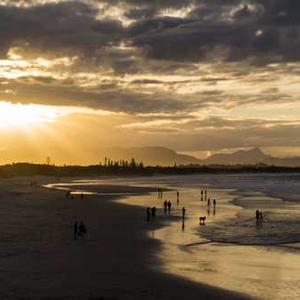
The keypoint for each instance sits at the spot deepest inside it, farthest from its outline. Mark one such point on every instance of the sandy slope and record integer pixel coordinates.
(39, 258)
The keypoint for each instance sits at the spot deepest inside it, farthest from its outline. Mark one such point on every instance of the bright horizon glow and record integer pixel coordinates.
(21, 115)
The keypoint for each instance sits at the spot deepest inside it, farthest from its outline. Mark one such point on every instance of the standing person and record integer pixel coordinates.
(261, 217)
(148, 214)
(75, 227)
(153, 212)
(183, 212)
(214, 203)
(208, 202)
(177, 197)
(169, 206)
(201, 195)
(257, 216)
(205, 195)
(165, 206)
(82, 230)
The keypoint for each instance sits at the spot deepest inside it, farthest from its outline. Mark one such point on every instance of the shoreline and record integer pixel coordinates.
(48, 263)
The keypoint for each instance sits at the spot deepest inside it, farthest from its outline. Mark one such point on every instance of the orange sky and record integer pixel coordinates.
(197, 76)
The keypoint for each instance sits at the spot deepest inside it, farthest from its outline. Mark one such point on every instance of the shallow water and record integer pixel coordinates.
(231, 251)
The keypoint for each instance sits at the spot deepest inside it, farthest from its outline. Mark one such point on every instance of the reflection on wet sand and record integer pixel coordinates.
(262, 272)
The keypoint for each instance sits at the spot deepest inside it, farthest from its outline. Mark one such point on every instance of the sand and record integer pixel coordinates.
(40, 260)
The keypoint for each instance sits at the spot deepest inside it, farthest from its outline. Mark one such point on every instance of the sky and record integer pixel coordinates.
(197, 76)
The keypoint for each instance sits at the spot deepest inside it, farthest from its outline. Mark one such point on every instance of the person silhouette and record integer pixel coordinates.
(169, 206)
(177, 197)
(82, 230)
(214, 203)
(153, 212)
(183, 212)
(261, 217)
(148, 213)
(257, 216)
(165, 206)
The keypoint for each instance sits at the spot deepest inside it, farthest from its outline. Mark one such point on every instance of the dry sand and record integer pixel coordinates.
(40, 260)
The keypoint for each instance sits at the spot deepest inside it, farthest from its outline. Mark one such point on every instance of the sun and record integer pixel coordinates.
(21, 115)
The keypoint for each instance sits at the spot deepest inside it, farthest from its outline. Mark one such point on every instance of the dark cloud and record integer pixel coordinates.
(231, 30)
(67, 25)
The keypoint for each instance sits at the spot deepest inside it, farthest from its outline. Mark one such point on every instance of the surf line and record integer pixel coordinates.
(277, 244)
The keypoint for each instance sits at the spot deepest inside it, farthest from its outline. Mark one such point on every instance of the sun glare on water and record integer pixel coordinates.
(21, 115)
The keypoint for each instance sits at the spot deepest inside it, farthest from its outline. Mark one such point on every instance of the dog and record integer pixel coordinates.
(202, 220)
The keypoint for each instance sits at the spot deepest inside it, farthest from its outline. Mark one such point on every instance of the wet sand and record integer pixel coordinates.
(231, 251)
(39, 258)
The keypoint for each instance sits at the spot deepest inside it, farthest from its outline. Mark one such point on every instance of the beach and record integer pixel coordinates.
(118, 259)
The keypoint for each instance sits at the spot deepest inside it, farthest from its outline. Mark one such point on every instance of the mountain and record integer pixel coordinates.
(250, 157)
(166, 157)
(149, 156)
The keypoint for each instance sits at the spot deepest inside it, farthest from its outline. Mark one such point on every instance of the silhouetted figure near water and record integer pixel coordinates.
(165, 206)
(261, 217)
(257, 216)
(82, 230)
(75, 227)
(201, 195)
(148, 213)
(177, 197)
(205, 195)
(169, 206)
(153, 212)
(214, 203)
(183, 212)
(208, 202)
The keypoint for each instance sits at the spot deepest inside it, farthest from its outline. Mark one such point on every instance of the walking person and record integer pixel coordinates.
(148, 214)
(257, 216)
(82, 231)
(153, 212)
(183, 212)
(169, 206)
(165, 206)
(177, 197)
(261, 217)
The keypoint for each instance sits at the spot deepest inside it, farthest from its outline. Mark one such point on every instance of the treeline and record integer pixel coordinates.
(131, 169)
(108, 162)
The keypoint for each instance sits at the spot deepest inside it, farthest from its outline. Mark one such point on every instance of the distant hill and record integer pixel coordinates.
(250, 157)
(154, 156)
(151, 156)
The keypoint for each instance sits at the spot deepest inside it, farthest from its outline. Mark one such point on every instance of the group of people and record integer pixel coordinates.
(79, 230)
(167, 206)
(259, 215)
(203, 195)
(151, 213)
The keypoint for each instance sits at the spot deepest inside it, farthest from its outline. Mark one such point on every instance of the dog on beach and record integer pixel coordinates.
(202, 220)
